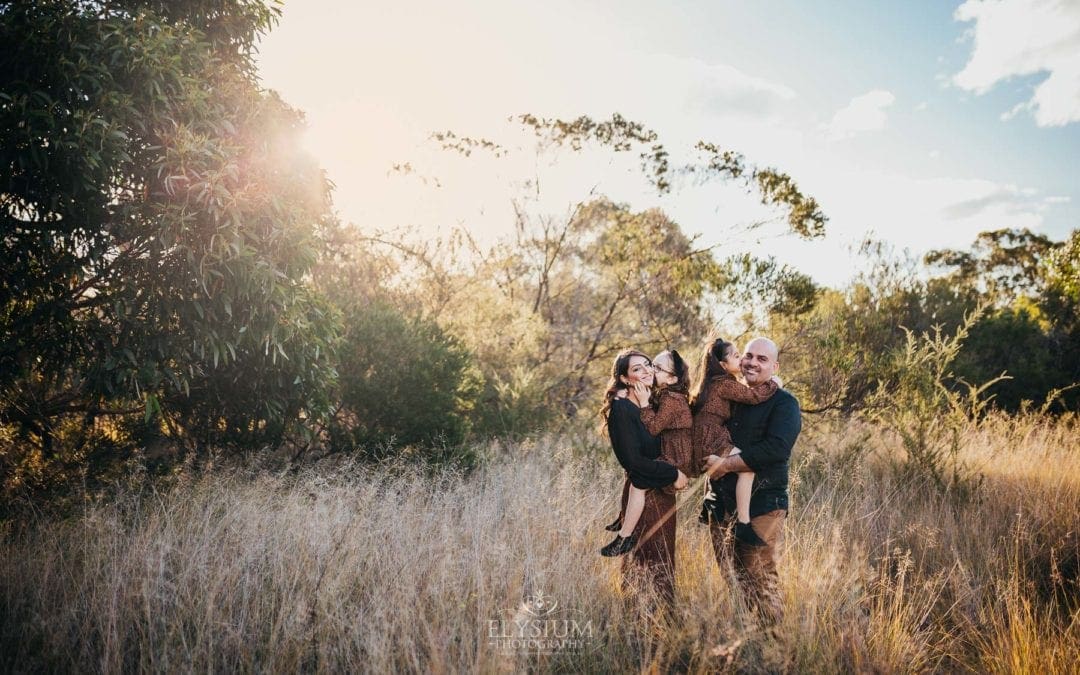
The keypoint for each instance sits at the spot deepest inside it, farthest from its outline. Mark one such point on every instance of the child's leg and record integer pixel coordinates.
(623, 498)
(617, 524)
(743, 487)
(635, 505)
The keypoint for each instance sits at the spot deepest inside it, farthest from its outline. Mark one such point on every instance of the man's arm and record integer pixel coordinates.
(717, 466)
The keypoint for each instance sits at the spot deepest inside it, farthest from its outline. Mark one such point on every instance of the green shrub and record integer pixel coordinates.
(404, 381)
(928, 413)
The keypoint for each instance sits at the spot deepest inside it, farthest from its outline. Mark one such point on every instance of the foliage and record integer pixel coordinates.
(1032, 330)
(804, 215)
(777, 189)
(620, 134)
(834, 352)
(403, 379)
(928, 414)
(1062, 272)
(159, 219)
(403, 382)
(1003, 264)
(544, 310)
(763, 283)
(1013, 341)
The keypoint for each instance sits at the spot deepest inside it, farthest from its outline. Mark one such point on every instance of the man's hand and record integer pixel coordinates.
(682, 481)
(712, 465)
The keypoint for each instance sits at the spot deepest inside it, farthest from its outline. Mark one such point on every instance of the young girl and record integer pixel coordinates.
(671, 421)
(714, 392)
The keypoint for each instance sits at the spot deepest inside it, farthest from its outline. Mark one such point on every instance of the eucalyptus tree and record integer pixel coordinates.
(544, 308)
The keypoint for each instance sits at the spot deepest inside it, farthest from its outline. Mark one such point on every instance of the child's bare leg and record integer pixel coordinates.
(635, 505)
(743, 488)
(623, 499)
(624, 543)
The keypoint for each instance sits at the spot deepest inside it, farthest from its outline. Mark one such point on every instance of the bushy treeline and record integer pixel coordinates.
(1019, 288)
(173, 279)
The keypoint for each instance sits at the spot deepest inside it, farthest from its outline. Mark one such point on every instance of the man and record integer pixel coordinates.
(764, 434)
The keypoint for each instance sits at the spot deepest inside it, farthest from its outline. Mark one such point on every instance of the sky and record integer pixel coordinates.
(919, 123)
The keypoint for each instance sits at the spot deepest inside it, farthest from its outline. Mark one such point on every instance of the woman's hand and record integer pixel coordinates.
(682, 481)
(641, 394)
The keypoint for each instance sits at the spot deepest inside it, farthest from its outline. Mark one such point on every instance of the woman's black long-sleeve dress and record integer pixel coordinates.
(653, 559)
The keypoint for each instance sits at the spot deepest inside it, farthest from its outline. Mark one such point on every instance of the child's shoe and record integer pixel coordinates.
(708, 508)
(619, 546)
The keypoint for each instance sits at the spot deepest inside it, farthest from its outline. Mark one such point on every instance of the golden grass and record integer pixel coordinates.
(395, 569)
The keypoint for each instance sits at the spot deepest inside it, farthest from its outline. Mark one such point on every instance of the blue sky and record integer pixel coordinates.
(901, 118)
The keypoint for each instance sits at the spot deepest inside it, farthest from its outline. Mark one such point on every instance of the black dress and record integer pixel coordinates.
(651, 565)
(636, 449)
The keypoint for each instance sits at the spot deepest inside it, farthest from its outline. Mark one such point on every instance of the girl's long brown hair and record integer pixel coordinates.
(619, 368)
(710, 367)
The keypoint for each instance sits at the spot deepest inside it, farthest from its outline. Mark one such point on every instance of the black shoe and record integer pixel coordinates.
(619, 545)
(744, 533)
(708, 508)
(615, 526)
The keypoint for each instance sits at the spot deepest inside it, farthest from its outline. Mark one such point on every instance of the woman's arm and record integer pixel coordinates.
(628, 439)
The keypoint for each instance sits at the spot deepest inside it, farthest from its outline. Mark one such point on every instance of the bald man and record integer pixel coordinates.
(765, 434)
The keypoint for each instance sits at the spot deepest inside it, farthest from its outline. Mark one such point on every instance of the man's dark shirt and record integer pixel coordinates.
(765, 433)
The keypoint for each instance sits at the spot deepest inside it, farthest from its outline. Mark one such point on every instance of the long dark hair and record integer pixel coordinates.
(711, 367)
(619, 368)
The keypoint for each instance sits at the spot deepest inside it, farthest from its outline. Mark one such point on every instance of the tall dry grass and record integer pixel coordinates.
(397, 569)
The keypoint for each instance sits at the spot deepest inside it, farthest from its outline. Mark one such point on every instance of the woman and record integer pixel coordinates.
(653, 558)
(670, 420)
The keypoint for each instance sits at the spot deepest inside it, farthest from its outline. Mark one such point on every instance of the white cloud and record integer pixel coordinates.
(723, 89)
(985, 198)
(863, 113)
(922, 213)
(1025, 37)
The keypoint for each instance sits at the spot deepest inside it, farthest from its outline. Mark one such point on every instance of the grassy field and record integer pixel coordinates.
(396, 568)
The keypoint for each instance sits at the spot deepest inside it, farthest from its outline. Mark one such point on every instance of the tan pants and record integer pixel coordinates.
(755, 566)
